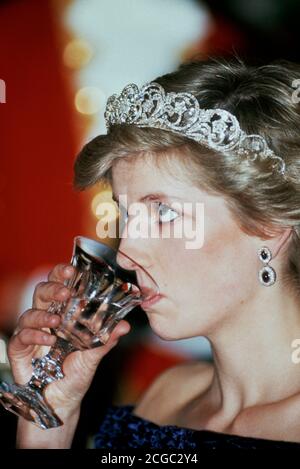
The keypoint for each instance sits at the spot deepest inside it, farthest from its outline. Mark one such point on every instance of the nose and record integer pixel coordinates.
(145, 281)
(125, 261)
(132, 257)
(136, 248)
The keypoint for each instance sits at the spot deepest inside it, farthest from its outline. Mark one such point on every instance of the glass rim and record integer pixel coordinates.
(91, 247)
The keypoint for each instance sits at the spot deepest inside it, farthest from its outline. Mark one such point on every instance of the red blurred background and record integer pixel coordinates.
(40, 135)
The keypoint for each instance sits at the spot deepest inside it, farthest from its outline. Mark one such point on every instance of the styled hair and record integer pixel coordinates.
(262, 97)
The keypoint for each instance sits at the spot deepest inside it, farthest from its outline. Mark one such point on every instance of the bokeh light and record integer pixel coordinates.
(77, 53)
(89, 100)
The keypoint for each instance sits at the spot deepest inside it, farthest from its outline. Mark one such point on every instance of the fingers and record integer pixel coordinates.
(30, 337)
(47, 292)
(29, 333)
(38, 319)
(122, 328)
(61, 272)
(94, 356)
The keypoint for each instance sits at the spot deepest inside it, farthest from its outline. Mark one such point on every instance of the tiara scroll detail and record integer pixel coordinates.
(218, 129)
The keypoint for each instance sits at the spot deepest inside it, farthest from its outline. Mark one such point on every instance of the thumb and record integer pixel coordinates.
(122, 328)
(94, 356)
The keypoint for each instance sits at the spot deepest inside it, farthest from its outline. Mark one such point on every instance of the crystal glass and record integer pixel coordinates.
(106, 285)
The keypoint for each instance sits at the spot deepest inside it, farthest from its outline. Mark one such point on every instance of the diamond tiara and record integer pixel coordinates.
(218, 129)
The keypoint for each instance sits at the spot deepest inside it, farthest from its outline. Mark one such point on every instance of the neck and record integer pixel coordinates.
(253, 355)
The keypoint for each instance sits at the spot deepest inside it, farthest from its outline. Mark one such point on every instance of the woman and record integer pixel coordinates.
(240, 160)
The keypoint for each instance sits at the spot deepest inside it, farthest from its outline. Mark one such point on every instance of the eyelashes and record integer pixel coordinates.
(163, 213)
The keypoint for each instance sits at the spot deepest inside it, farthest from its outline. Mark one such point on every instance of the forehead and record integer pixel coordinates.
(139, 175)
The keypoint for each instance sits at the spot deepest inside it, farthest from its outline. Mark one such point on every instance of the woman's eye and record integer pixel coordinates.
(166, 214)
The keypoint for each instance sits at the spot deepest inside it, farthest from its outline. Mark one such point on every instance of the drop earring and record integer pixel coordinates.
(266, 275)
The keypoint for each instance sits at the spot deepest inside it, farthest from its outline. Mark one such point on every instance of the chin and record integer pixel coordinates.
(166, 327)
(162, 328)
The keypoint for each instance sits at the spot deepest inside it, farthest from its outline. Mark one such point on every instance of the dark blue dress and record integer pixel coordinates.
(120, 429)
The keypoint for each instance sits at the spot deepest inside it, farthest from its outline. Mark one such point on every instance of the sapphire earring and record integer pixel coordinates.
(266, 275)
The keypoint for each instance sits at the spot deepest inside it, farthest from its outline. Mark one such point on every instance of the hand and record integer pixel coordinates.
(33, 339)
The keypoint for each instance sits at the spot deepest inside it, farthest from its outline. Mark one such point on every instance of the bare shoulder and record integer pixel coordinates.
(173, 389)
(277, 420)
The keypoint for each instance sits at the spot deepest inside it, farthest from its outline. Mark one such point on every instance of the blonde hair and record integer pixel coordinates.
(261, 97)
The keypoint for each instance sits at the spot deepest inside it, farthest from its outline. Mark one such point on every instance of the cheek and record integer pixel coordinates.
(224, 263)
(173, 261)
(220, 266)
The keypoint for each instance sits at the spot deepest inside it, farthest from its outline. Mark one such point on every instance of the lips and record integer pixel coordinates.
(146, 304)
